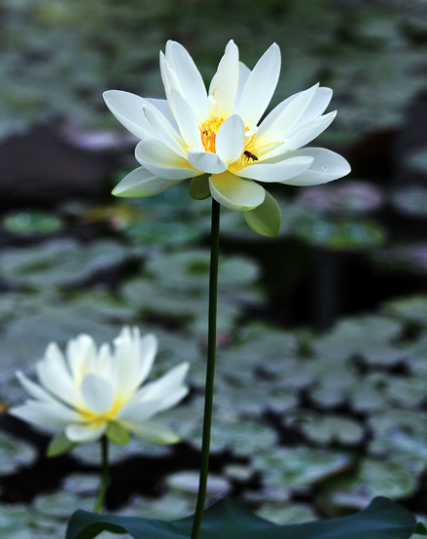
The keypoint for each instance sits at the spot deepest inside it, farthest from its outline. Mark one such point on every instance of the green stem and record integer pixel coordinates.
(99, 504)
(210, 370)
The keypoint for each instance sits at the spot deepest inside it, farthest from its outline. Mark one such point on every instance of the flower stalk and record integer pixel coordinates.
(210, 368)
(99, 504)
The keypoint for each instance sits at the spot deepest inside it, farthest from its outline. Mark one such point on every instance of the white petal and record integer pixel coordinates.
(169, 78)
(192, 85)
(288, 118)
(171, 400)
(163, 106)
(164, 386)
(309, 132)
(153, 432)
(81, 355)
(136, 412)
(230, 139)
(84, 433)
(226, 81)
(260, 86)
(126, 364)
(244, 73)
(128, 109)
(97, 393)
(235, 193)
(318, 105)
(165, 132)
(326, 166)
(34, 389)
(141, 183)
(276, 172)
(161, 161)
(147, 354)
(275, 113)
(44, 415)
(54, 381)
(186, 120)
(207, 162)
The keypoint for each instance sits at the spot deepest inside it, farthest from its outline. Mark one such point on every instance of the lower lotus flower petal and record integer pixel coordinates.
(84, 433)
(34, 389)
(235, 193)
(45, 415)
(161, 161)
(230, 139)
(136, 412)
(153, 432)
(207, 162)
(164, 386)
(326, 166)
(97, 393)
(276, 172)
(141, 183)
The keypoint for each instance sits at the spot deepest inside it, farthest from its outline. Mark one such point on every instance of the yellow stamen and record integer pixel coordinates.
(208, 131)
(91, 417)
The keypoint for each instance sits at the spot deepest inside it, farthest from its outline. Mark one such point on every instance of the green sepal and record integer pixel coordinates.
(199, 187)
(59, 444)
(420, 528)
(382, 519)
(117, 434)
(266, 218)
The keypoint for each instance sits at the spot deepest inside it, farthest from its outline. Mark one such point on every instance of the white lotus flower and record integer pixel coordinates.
(89, 392)
(214, 137)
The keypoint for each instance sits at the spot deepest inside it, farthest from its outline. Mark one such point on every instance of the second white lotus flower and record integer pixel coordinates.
(214, 137)
(90, 392)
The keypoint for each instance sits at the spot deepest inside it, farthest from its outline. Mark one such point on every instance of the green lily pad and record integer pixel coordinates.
(29, 223)
(383, 519)
(300, 466)
(328, 429)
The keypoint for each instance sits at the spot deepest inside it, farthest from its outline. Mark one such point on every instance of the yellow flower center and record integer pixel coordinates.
(208, 131)
(92, 417)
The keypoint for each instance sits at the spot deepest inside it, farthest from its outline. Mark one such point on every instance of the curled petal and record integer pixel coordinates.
(141, 183)
(235, 193)
(326, 166)
(207, 162)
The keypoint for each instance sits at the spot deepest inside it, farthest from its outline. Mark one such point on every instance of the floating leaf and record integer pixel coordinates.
(383, 519)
